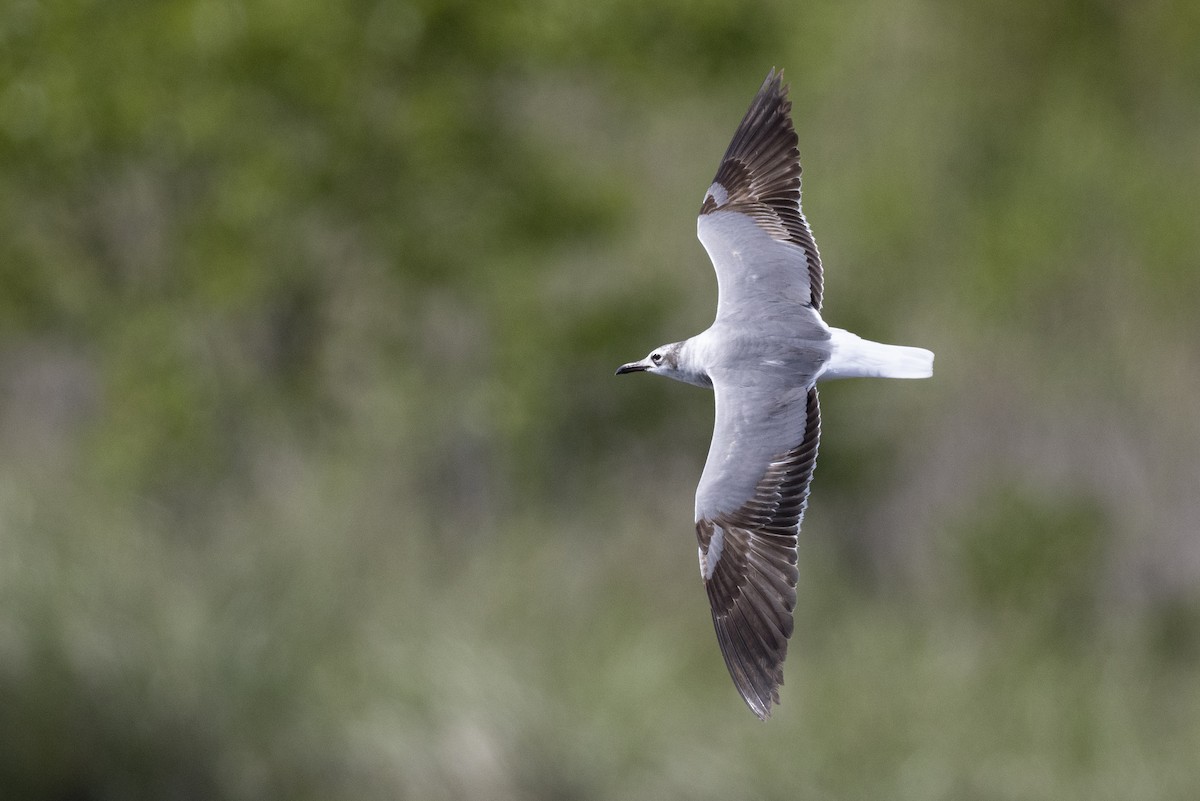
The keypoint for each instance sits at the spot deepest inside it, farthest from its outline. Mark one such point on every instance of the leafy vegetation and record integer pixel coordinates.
(315, 483)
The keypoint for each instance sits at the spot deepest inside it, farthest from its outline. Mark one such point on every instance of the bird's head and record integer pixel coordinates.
(662, 360)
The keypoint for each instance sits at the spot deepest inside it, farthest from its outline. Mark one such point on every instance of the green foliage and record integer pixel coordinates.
(315, 481)
(1034, 560)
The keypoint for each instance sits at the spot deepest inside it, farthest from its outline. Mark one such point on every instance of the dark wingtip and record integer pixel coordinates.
(756, 674)
(774, 81)
(761, 708)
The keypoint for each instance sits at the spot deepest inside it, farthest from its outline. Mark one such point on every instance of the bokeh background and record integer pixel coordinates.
(315, 481)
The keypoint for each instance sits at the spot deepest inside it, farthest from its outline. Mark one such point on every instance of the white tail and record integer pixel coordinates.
(855, 357)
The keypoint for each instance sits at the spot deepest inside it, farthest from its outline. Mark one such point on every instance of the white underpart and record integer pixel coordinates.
(708, 562)
(855, 357)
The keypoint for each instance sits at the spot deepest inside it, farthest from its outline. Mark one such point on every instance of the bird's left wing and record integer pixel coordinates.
(751, 223)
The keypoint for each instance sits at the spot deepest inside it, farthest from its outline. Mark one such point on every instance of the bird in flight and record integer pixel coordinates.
(762, 357)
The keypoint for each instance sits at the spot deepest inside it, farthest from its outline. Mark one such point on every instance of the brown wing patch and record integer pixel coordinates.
(752, 585)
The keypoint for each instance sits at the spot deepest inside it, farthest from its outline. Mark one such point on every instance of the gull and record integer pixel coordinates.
(762, 357)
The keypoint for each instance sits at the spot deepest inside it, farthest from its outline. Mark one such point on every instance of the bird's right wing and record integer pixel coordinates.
(749, 505)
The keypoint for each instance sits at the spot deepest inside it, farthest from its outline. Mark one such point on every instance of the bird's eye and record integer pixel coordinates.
(656, 358)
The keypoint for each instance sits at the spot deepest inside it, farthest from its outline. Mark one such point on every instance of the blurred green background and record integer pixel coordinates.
(315, 481)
